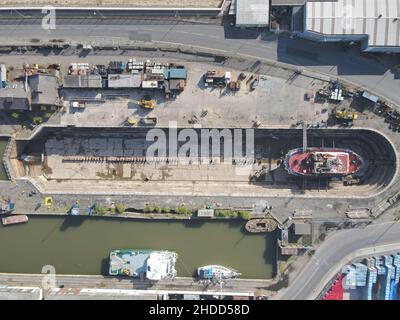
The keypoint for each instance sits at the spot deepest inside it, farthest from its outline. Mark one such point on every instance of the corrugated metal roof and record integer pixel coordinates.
(124, 80)
(252, 12)
(288, 2)
(377, 19)
(77, 81)
(175, 73)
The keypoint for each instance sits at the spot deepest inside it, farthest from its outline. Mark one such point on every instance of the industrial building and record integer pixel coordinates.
(38, 89)
(131, 75)
(91, 81)
(124, 81)
(375, 24)
(251, 13)
(15, 97)
(44, 90)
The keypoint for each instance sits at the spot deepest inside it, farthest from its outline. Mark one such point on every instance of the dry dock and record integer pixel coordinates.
(62, 160)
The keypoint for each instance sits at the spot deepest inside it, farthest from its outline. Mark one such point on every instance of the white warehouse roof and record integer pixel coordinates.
(252, 13)
(378, 19)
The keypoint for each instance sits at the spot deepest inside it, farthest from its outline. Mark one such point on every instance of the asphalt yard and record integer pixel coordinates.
(275, 102)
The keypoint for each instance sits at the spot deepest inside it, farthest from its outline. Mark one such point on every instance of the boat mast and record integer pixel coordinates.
(304, 136)
(220, 284)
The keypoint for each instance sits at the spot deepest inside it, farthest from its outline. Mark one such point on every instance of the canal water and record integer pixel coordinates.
(3, 144)
(80, 245)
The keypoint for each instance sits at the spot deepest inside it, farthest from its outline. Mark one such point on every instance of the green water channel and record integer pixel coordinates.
(3, 144)
(80, 245)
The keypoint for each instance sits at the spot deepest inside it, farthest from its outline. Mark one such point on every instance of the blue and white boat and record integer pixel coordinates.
(216, 272)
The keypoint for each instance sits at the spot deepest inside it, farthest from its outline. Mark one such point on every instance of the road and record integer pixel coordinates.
(329, 257)
(326, 58)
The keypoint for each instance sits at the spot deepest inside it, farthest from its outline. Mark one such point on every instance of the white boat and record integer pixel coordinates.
(151, 264)
(216, 272)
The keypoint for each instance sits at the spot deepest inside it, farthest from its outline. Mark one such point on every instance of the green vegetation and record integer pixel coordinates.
(167, 210)
(183, 210)
(245, 215)
(37, 120)
(148, 208)
(157, 209)
(15, 115)
(100, 210)
(221, 213)
(120, 208)
(233, 214)
(224, 213)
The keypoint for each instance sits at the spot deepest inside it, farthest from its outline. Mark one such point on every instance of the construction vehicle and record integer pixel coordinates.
(132, 121)
(147, 104)
(216, 78)
(48, 202)
(345, 115)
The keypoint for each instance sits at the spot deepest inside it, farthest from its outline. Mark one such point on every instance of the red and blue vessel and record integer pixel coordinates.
(323, 162)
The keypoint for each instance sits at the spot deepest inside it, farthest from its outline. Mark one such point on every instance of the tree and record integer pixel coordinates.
(233, 214)
(148, 208)
(120, 208)
(182, 210)
(100, 210)
(245, 215)
(157, 209)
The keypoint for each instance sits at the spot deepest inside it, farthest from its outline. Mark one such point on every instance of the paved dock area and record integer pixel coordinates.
(114, 3)
(107, 282)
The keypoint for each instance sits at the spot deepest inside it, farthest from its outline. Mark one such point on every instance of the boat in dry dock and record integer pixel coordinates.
(261, 225)
(14, 219)
(323, 162)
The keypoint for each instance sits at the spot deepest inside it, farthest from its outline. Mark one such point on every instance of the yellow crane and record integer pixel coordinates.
(147, 104)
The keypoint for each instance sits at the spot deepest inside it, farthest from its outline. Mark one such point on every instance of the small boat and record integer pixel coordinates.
(14, 219)
(261, 225)
(216, 272)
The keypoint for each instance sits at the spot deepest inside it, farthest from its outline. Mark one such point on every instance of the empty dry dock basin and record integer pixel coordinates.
(113, 161)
